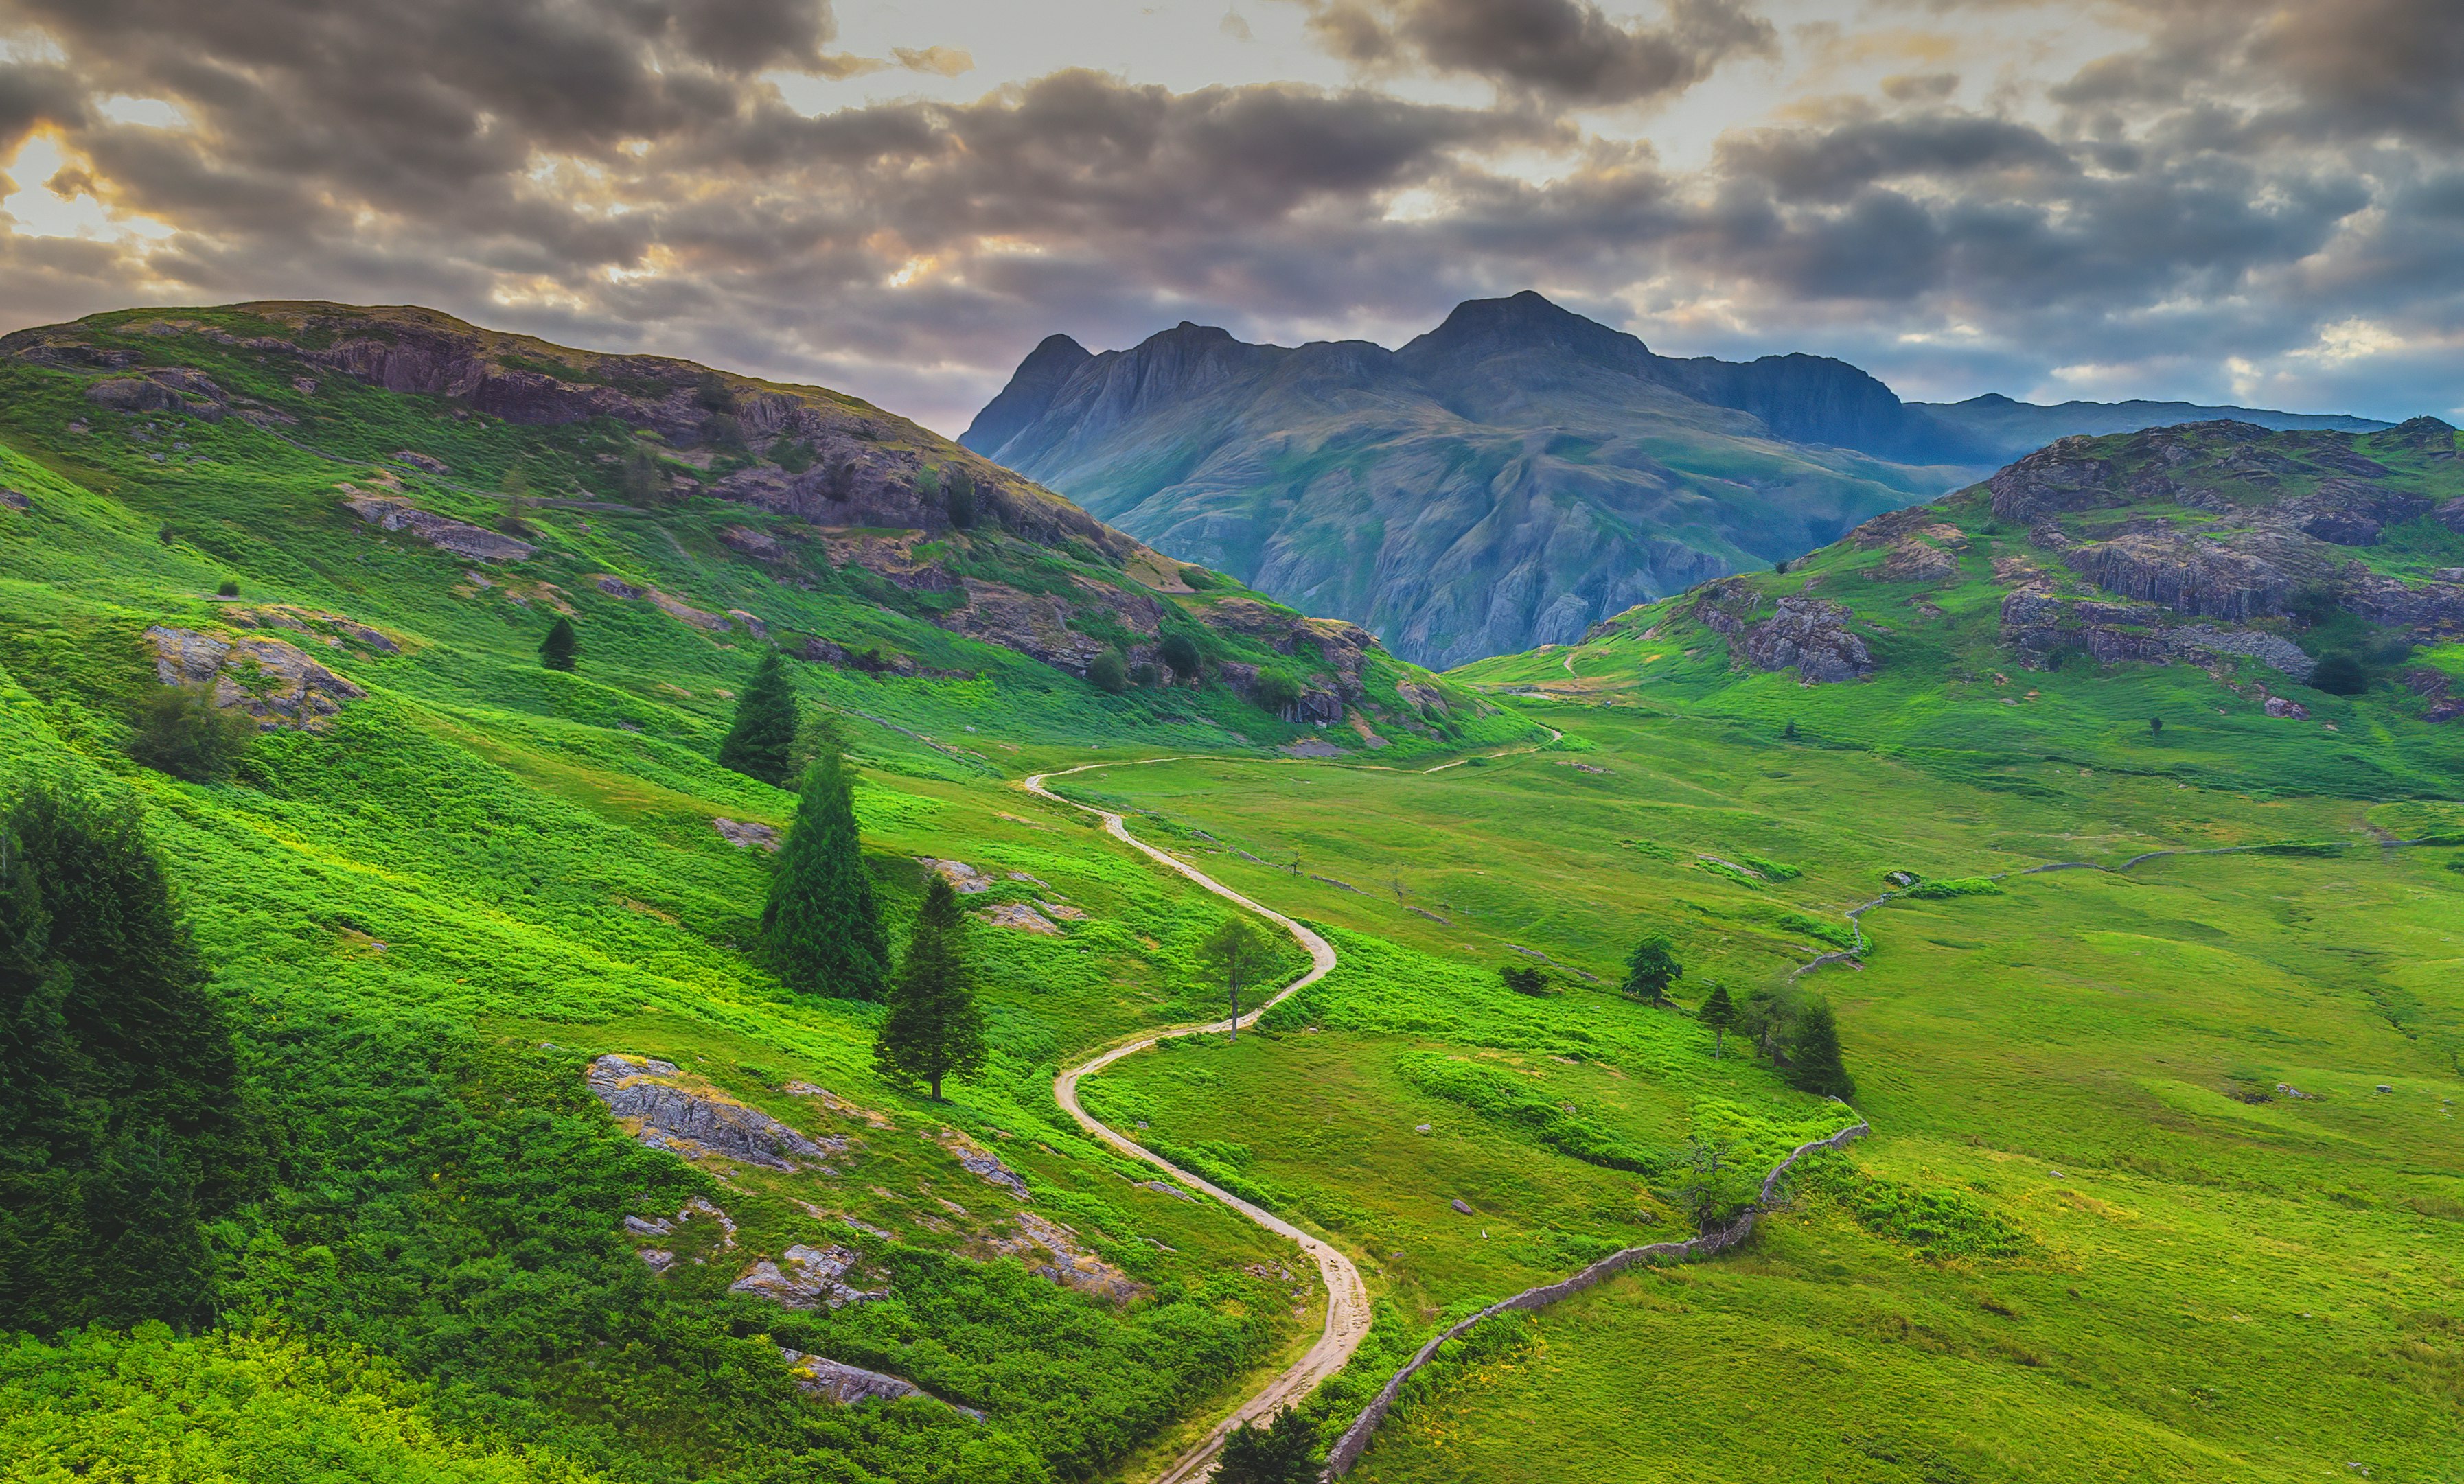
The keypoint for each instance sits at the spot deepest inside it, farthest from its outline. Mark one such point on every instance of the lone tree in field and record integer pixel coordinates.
(1236, 951)
(561, 646)
(821, 927)
(934, 1028)
(1280, 1453)
(1719, 1013)
(762, 741)
(959, 496)
(2155, 726)
(1813, 1052)
(1653, 968)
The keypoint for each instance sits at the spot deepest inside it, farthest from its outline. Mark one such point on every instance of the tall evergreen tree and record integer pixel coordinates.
(934, 1028)
(821, 925)
(561, 646)
(1813, 1061)
(762, 741)
(118, 1091)
(1719, 1013)
(1652, 967)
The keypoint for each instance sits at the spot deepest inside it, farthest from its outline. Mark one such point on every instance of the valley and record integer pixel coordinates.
(550, 1174)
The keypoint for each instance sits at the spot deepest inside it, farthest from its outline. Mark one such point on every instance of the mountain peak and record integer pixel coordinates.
(1529, 321)
(1030, 394)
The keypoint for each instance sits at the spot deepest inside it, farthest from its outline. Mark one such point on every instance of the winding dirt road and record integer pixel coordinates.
(1347, 1302)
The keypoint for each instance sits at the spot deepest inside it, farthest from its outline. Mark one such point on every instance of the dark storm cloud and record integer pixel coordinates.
(619, 172)
(1566, 50)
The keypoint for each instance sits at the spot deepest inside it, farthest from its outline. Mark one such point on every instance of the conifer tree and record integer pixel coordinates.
(934, 1028)
(762, 741)
(561, 646)
(1719, 1013)
(1813, 1052)
(1652, 969)
(118, 1090)
(821, 927)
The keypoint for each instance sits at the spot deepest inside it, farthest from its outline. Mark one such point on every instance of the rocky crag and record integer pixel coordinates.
(1503, 481)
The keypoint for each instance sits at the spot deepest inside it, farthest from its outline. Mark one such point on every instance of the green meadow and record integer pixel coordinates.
(2093, 1235)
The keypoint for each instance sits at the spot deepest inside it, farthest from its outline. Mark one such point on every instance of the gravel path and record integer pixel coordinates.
(1347, 1302)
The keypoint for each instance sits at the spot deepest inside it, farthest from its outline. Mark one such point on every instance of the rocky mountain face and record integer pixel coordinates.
(2258, 555)
(1506, 480)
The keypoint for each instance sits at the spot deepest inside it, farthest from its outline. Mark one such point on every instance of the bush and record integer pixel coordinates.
(1179, 651)
(228, 589)
(1524, 980)
(181, 731)
(1953, 887)
(1109, 672)
(1277, 692)
(562, 647)
(2340, 674)
(1198, 577)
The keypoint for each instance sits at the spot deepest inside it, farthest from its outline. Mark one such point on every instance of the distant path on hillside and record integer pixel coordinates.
(1347, 1301)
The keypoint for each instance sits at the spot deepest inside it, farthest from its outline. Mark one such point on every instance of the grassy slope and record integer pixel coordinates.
(486, 873)
(2207, 1288)
(538, 872)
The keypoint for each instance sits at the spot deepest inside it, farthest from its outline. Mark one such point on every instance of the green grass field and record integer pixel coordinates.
(2090, 1236)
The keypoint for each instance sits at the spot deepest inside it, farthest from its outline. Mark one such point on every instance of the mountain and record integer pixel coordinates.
(771, 487)
(2267, 577)
(1507, 479)
(2010, 428)
(1504, 480)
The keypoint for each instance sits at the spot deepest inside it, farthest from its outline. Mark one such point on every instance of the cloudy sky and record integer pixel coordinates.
(2257, 201)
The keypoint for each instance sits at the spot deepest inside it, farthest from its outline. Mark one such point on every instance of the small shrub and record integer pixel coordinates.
(1953, 887)
(958, 499)
(181, 731)
(1143, 675)
(1109, 672)
(1198, 577)
(2340, 674)
(1278, 692)
(1524, 980)
(228, 589)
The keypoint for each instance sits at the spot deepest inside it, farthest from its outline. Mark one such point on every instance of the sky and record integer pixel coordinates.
(2249, 201)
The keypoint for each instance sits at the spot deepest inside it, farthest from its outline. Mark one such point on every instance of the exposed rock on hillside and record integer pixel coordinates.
(806, 1277)
(332, 627)
(458, 536)
(1809, 634)
(1052, 1251)
(266, 678)
(652, 1100)
(846, 1386)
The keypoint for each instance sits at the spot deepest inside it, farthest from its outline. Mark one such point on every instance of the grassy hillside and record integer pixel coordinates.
(2090, 1235)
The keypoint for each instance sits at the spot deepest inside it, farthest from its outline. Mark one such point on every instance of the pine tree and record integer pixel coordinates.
(934, 1028)
(1813, 1053)
(1653, 968)
(561, 646)
(762, 741)
(1719, 1013)
(118, 1090)
(821, 925)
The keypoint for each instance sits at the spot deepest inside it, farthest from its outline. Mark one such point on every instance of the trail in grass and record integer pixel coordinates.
(1347, 1301)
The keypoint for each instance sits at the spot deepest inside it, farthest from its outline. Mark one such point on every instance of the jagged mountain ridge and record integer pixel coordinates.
(1504, 480)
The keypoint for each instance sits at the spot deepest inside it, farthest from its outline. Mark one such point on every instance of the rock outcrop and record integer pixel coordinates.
(652, 1100)
(1053, 1252)
(1810, 635)
(458, 536)
(266, 678)
(847, 1385)
(806, 1277)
